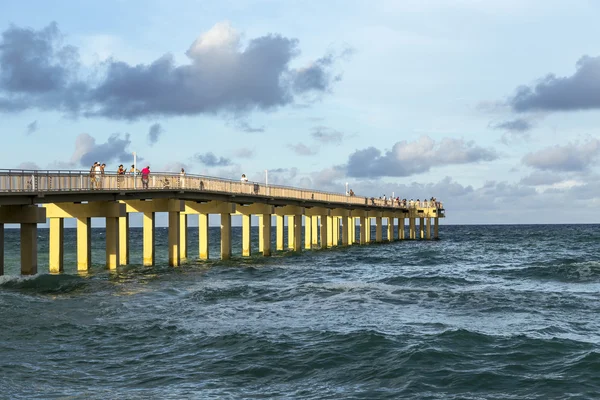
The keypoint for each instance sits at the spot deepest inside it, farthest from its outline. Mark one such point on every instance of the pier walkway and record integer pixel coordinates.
(30, 197)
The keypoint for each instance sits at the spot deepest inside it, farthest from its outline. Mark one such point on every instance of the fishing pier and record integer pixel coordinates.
(29, 198)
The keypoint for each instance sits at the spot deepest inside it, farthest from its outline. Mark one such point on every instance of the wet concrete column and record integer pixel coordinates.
(428, 228)
(363, 230)
(183, 226)
(290, 222)
(174, 260)
(266, 234)
(56, 245)
(84, 243)
(1, 249)
(327, 231)
(297, 232)
(225, 236)
(308, 231)
(401, 229)
(246, 235)
(203, 236)
(422, 228)
(112, 242)
(345, 230)
(148, 237)
(279, 222)
(124, 240)
(435, 228)
(379, 229)
(336, 231)
(28, 248)
(315, 230)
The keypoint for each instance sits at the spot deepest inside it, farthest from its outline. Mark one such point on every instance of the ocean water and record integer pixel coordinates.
(487, 312)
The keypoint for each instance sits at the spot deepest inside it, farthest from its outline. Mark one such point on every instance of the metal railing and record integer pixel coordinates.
(45, 181)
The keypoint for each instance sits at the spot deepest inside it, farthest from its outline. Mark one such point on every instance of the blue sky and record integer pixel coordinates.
(491, 106)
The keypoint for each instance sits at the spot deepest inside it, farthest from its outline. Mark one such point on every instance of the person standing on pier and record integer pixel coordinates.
(145, 177)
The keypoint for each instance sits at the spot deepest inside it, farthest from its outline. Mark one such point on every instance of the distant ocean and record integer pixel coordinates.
(487, 312)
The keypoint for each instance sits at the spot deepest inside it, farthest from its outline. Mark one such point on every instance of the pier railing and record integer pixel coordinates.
(41, 181)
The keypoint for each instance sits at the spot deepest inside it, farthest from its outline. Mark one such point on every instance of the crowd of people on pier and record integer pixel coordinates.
(97, 176)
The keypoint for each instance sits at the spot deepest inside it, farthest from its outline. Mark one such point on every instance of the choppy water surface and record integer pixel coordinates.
(488, 312)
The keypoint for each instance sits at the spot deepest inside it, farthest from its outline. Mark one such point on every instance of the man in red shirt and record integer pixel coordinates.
(145, 177)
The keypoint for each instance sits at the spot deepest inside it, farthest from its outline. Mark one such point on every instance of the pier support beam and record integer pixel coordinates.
(435, 228)
(29, 262)
(401, 229)
(345, 230)
(422, 228)
(412, 228)
(290, 225)
(378, 229)
(174, 260)
(112, 242)
(56, 245)
(183, 227)
(327, 231)
(390, 229)
(279, 232)
(265, 231)
(315, 230)
(203, 251)
(308, 231)
(1, 249)
(225, 236)
(124, 240)
(246, 235)
(363, 229)
(148, 238)
(335, 229)
(428, 229)
(353, 226)
(84, 244)
(349, 225)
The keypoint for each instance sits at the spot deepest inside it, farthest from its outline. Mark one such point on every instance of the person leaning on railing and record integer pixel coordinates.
(145, 177)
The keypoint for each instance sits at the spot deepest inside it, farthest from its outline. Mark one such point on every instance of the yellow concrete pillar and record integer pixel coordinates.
(353, 226)
(378, 229)
(225, 236)
(290, 222)
(297, 232)
(367, 230)
(335, 230)
(428, 228)
(28, 248)
(422, 228)
(279, 232)
(435, 228)
(351, 231)
(390, 229)
(203, 236)
(174, 260)
(124, 240)
(326, 231)
(261, 243)
(315, 230)
(112, 242)
(183, 227)
(413, 227)
(308, 231)
(1, 249)
(148, 247)
(363, 230)
(345, 230)
(246, 235)
(56, 245)
(401, 229)
(84, 244)
(265, 222)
